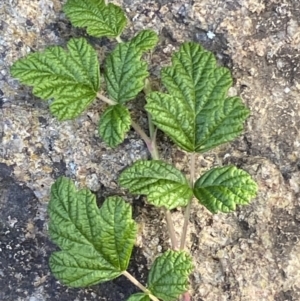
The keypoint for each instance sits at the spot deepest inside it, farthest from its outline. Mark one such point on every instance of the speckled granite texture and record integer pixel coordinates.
(252, 254)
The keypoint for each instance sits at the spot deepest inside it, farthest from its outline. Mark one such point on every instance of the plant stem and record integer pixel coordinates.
(147, 89)
(151, 145)
(187, 212)
(192, 169)
(139, 285)
(186, 296)
(155, 156)
(105, 99)
(188, 207)
(171, 229)
(119, 40)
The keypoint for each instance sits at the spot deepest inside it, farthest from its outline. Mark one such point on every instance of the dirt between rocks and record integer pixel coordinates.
(252, 254)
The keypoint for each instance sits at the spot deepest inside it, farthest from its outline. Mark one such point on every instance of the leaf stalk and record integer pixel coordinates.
(119, 40)
(150, 143)
(152, 147)
(171, 229)
(188, 207)
(139, 285)
(152, 131)
(155, 156)
(106, 99)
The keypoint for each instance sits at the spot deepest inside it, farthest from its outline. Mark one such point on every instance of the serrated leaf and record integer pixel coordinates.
(196, 114)
(125, 73)
(139, 297)
(114, 124)
(222, 188)
(163, 184)
(145, 40)
(98, 18)
(95, 243)
(71, 78)
(168, 277)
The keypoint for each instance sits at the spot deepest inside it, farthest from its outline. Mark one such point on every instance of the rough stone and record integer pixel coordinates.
(252, 254)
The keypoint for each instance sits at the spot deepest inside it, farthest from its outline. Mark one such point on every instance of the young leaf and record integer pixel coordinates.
(125, 72)
(71, 78)
(145, 40)
(114, 124)
(98, 18)
(139, 297)
(168, 277)
(163, 184)
(196, 114)
(222, 188)
(95, 243)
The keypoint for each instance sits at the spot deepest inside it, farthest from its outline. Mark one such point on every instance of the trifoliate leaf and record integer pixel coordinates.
(168, 277)
(222, 188)
(98, 18)
(145, 40)
(71, 78)
(114, 124)
(163, 184)
(139, 297)
(125, 72)
(196, 114)
(95, 243)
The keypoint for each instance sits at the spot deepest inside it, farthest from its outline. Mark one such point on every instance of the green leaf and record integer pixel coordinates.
(139, 297)
(145, 40)
(196, 114)
(98, 19)
(125, 72)
(222, 188)
(114, 124)
(71, 78)
(162, 183)
(95, 243)
(168, 277)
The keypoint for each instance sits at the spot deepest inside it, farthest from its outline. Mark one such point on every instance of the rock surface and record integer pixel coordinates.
(252, 254)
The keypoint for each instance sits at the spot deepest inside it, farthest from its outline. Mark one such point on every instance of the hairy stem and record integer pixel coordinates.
(139, 285)
(188, 207)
